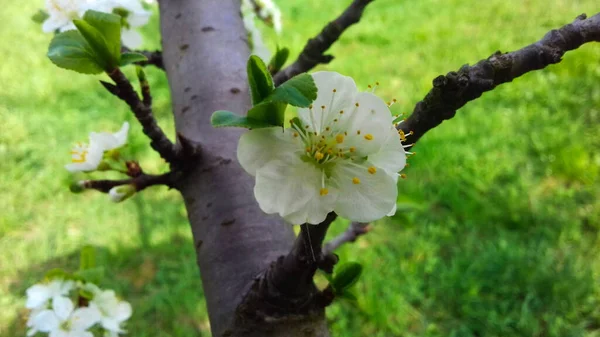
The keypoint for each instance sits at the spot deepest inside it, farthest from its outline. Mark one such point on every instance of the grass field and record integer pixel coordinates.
(500, 232)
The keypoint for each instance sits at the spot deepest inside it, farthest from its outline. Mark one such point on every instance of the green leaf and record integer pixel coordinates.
(129, 58)
(109, 26)
(97, 44)
(85, 293)
(345, 276)
(348, 295)
(278, 60)
(93, 275)
(40, 16)
(271, 113)
(298, 91)
(69, 50)
(56, 273)
(223, 118)
(87, 258)
(259, 79)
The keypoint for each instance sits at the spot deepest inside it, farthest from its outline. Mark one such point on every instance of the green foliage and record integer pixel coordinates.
(93, 48)
(278, 60)
(505, 239)
(40, 16)
(298, 91)
(69, 50)
(259, 79)
(345, 276)
(129, 58)
(223, 118)
(87, 258)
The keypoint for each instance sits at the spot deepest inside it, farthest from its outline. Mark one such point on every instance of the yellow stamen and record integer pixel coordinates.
(372, 169)
(323, 191)
(369, 136)
(308, 149)
(339, 139)
(352, 149)
(334, 90)
(295, 134)
(341, 112)
(358, 132)
(355, 181)
(322, 107)
(403, 176)
(327, 128)
(319, 155)
(357, 104)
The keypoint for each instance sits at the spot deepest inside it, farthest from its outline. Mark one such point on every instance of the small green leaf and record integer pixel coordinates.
(93, 275)
(85, 293)
(223, 118)
(69, 50)
(348, 295)
(56, 273)
(259, 79)
(271, 113)
(129, 58)
(345, 276)
(109, 26)
(278, 60)
(97, 43)
(298, 91)
(87, 258)
(40, 16)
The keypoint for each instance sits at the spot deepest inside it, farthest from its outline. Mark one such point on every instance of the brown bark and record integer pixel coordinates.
(204, 56)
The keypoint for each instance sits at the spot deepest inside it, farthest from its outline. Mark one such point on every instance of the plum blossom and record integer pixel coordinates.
(39, 294)
(87, 157)
(344, 155)
(63, 320)
(113, 312)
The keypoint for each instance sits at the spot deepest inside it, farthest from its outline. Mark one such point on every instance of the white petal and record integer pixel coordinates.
(60, 287)
(342, 99)
(110, 324)
(131, 38)
(37, 295)
(83, 318)
(123, 311)
(52, 23)
(45, 321)
(368, 124)
(109, 141)
(285, 187)
(368, 200)
(63, 307)
(258, 147)
(31, 332)
(317, 207)
(121, 135)
(391, 157)
(60, 333)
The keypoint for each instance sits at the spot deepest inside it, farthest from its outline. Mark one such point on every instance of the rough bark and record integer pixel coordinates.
(204, 56)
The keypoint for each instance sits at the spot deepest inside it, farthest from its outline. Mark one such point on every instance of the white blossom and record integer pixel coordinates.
(120, 193)
(87, 157)
(39, 294)
(344, 157)
(63, 320)
(259, 47)
(113, 312)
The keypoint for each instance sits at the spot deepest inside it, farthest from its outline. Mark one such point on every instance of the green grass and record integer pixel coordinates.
(501, 231)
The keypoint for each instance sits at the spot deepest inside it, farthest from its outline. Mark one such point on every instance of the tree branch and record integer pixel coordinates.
(354, 230)
(142, 110)
(154, 57)
(453, 91)
(314, 51)
(140, 182)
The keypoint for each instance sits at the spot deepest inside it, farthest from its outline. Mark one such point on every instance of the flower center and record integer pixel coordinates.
(79, 153)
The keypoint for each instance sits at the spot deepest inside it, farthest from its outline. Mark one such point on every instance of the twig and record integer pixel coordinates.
(143, 112)
(453, 91)
(354, 230)
(314, 51)
(140, 182)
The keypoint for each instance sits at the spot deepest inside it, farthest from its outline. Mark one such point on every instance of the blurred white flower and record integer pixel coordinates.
(120, 193)
(87, 157)
(63, 320)
(39, 294)
(134, 16)
(61, 14)
(254, 35)
(344, 157)
(113, 312)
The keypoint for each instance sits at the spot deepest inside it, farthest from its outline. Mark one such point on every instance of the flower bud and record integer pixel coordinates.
(120, 193)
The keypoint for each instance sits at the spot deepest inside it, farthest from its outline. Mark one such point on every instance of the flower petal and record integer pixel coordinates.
(83, 318)
(285, 187)
(45, 321)
(368, 124)
(131, 38)
(391, 157)
(123, 311)
(258, 147)
(62, 306)
(109, 141)
(363, 196)
(343, 98)
(110, 324)
(37, 295)
(315, 210)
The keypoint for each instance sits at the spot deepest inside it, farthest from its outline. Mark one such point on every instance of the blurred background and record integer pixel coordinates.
(498, 233)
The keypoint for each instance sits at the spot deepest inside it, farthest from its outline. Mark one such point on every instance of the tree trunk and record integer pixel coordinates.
(205, 52)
